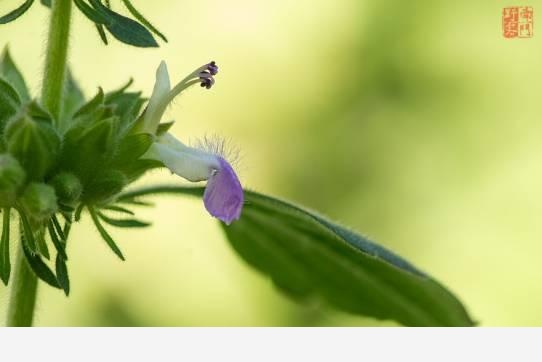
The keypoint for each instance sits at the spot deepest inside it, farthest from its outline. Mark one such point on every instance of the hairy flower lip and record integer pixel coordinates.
(223, 197)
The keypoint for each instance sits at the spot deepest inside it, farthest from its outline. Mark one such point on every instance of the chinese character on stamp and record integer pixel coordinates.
(517, 22)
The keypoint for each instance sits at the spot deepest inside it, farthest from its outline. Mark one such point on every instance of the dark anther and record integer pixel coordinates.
(206, 76)
(207, 82)
(212, 68)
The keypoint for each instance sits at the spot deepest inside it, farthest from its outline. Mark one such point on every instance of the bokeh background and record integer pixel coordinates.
(414, 122)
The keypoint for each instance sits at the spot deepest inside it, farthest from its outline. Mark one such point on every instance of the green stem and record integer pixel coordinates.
(23, 293)
(25, 284)
(56, 58)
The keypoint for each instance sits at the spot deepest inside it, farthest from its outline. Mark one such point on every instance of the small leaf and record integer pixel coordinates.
(91, 105)
(132, 147)
(127, 106)
(58, 229)
(119, 209)
(125, 29)
(78, 212)
(101, 33)
(16, 13)
(5, 265)
(163, 128)
(62, 274)
(142, 19)
(123, 223)
(107, 238)
(46, 3)
(72, 99)
(90, 13)
(137, 168)
(307, 255)
(86, 149)
(42, 245)
(41, 269)
(28, 239)
(59, 245)
(10, 72)
(37, 112)
(10, 102)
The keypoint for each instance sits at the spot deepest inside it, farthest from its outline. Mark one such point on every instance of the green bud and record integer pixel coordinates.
(68, 188)
(34, 143)
(12, 178)
(39, 201)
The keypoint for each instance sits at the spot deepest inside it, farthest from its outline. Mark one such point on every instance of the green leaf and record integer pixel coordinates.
(10, 72)
(59, 245)
(12, 15)
(10, 102)
(163, 128)
(123, 223)
(42, 245)
(58, 229)
(124, 29)
(37, 112)
(90, 13)
(28, 238)
(142, 19)
(107, 238)
(86, 149)
(307, 255)
(106, 184)
(46, 3)
(127, 106)
(62, 274)
(73, 98)
(91, 105)
(137, 168)
(132, 147)
(118, 209)
(5, 265)
(41, 269)
(101, 33)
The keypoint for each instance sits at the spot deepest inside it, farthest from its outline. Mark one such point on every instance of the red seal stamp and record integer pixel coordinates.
(517, 22)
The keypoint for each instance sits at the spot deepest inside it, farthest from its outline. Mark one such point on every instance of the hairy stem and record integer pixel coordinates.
(23, 293)
(56, 58)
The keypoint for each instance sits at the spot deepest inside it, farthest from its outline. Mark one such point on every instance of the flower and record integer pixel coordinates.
(223, 197)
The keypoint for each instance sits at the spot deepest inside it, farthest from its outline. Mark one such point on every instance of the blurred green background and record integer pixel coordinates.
(414, 122)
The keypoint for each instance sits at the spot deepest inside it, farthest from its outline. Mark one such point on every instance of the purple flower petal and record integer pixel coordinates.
(223, 196)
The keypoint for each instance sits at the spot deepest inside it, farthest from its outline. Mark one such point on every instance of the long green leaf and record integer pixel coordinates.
(123, 223)
(59, 245)
(5, 265)
(124, 29)
(12, 15)
(107, 238)
(41, 269)
(143, 20)
(62, 274)
(29, 240)
(308, 256)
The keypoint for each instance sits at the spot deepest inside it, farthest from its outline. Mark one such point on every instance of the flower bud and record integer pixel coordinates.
(12, 177)
(67, 186)
(39, 201)
(34, 143)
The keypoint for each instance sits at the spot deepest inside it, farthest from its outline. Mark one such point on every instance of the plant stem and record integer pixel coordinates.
(23, 293)
(56, 58)
(25, 283)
